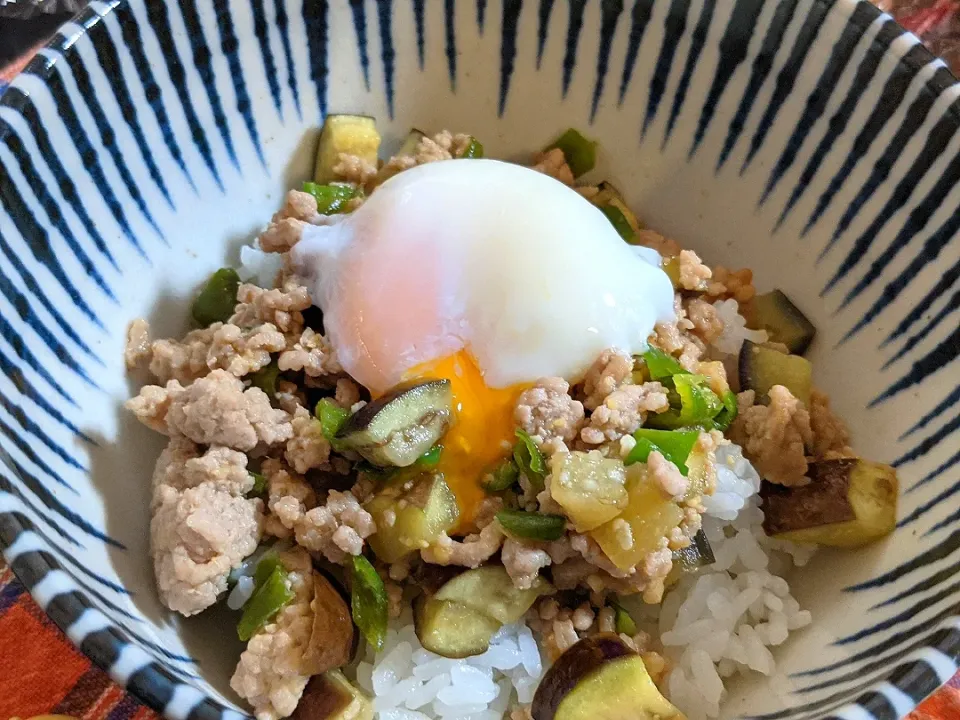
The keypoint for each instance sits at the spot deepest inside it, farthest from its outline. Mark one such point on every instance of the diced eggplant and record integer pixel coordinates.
(650, 515)
(420, 508)
(489, 590)
(451, 629)
(331, 639)
(349, 134)
(600, 678)
(783, 321)
(761, 368)
(849, 502)
(696, 555)
(590, 488)
(331, 696)
(396, 429)
(411, 142)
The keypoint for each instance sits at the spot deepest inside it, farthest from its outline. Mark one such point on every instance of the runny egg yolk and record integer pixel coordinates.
(482, 432)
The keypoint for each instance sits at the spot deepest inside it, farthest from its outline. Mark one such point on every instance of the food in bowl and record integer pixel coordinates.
(461, 438)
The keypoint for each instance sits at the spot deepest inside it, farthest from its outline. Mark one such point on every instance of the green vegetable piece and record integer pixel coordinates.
(661, 365)
(218, 298)
(728, 414)
(623, 623)
(474, 149)
(271, 596)
(368, 602)
(259, 483)
(527, 456)
(580, 153)
(266, 378)
(503, 477)
(619, 221)
(331, 199)
(431, 457)
(269, 562)
(531, 525)
(331, 417)
(698, 405)
(674, 445)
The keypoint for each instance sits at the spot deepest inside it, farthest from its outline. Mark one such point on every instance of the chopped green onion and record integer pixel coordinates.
(623, 623)
(259, 483)
(368, 602)
(331, 417)
(528, 458)
(218, 298)
(580, 153)
(531, 525)
(674, 445)
(331, 199)
(502, 478)
(266, 378)
(431, 457)
(619, 221)
(728, 414)
(273, 593)
(661, 365)
(473, 150)
(698, 405)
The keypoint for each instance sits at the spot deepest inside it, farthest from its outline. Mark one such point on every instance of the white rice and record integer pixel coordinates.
(735, 329)
(259, 266)
(723, 621)
(408, 682)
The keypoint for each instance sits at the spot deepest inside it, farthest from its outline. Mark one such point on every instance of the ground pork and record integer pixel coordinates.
(774, 437)
(623, 411)
(354, 169)
(553, 163)
(214, 410)
(736, 284)
(137, 352)
(473, 551)
(202, 526)
(182, 360)
(667, 475)
(286, 227)
(347, 393)
(312, 354)
(692, 272)
(289, 497)
(243, 351)
(272, 675)
(665, 246)
(337, 528)
(831, 438)
(281, 307)
(308, 448)
(609, 371)
(705, 318)
(547, 411)
(442, 146)
(523, 562)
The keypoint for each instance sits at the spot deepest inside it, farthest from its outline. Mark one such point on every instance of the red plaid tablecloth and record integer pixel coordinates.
(41, 672)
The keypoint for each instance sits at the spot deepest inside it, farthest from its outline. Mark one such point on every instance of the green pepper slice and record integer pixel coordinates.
(623, 623)
(527, 456)
(660, 365)
(728, 414)
(259, 483)
(580, 153)
(674, 445)
(218, 298)
(331, 417)
(473, 150)
(698, 405)
(431, 457)
(368, 602)
(266, 378)
(503, 477)
(619, 221)
(531, 525)
(270, 597)
(331, 199)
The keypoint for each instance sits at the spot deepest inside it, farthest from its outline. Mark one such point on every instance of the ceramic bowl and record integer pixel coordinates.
(812, 140)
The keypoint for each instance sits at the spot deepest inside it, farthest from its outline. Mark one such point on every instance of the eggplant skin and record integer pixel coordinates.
(577, 662)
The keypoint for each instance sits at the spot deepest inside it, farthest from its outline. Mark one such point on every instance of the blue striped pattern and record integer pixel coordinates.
(836, 128)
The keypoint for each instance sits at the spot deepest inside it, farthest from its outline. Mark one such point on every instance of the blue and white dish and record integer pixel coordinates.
(812, 140)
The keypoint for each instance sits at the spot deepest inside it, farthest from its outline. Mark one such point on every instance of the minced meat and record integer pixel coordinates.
(774, 437)
(337, 528)
(312, 354)
(623, 411)
(693, 274)
(281, 307)
(308, 449)
(553, 163)
(546, 411)
(609, 371)
(137, 351)
(523, 562)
